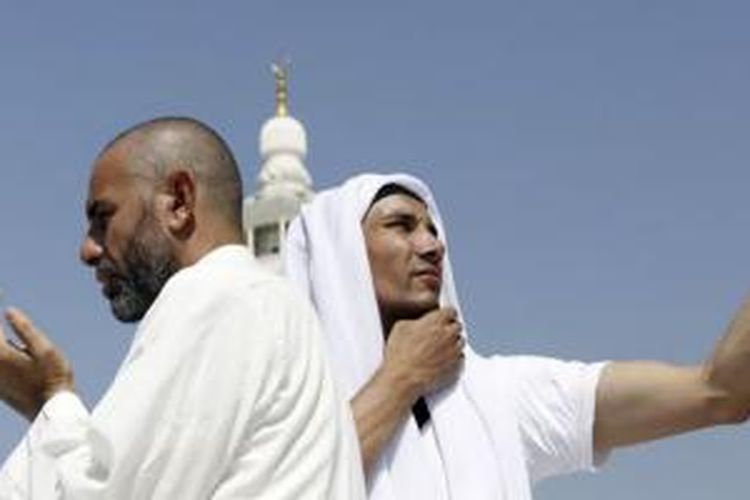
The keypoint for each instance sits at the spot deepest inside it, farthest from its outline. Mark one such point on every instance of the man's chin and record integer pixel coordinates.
(428, 302)
(418, 309)
(126, 310)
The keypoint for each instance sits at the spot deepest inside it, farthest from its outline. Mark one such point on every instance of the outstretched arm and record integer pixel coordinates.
(639, 401)
(420, 356)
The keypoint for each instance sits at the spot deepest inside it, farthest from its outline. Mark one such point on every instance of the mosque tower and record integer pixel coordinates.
(283, 183)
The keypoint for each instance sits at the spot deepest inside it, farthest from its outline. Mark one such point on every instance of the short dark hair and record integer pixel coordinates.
(391, 189)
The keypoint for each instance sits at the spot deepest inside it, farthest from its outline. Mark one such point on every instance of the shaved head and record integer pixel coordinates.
(161, 195)
(157, 147)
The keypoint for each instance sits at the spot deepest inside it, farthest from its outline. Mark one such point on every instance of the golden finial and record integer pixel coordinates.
(281, 73)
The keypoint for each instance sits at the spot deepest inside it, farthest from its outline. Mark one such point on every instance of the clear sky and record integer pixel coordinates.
(591, 159)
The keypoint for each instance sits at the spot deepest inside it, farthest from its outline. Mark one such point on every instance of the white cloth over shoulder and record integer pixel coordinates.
(506, 422)
(224, 394)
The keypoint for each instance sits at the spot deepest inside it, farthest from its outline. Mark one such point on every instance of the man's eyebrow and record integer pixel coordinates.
(95, 207)
(91, 208)
(398, 214)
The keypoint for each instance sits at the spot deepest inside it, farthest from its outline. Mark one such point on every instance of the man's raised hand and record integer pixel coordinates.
(32, 372)
(426, 352)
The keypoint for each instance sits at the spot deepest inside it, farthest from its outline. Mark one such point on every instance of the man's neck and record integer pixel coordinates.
(194, 250)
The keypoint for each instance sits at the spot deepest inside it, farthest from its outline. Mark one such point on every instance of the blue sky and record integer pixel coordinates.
(591, 160)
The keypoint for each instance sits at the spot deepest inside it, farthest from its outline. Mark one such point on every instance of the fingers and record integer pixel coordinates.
(459, 347)
(449, 313)
(30, 335)
(6, 344)
(454, 365)
(449, 316)
(453, 331)
(451, 340)
(446, 313)
(450, 330)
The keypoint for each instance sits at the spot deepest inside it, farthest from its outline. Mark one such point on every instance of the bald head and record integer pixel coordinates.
(162, 195)
(158, 147)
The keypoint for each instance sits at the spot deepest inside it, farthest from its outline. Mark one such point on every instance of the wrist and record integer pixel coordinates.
(401, 383)
(63, 385)
(54, 391)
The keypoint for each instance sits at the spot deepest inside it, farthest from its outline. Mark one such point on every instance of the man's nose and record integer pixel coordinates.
(430, 247)
(90, 251)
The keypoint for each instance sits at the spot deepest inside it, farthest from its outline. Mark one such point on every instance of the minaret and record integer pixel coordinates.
(283, 182)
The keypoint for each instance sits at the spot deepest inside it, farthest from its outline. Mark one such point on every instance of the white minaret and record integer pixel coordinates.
(283, 182)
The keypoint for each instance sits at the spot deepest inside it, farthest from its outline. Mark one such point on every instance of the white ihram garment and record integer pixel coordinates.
(507, 421)
(225, 394)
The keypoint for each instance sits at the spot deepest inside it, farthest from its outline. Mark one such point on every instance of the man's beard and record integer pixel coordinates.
(147, 266)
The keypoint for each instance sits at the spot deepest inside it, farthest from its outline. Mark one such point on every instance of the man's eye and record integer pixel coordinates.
(101, 220)
(400, 224)
(99, 223)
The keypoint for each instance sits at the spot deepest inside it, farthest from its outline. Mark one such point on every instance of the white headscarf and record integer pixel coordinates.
(327, 257)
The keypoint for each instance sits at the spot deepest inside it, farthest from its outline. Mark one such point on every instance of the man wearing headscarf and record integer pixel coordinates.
(436, 420)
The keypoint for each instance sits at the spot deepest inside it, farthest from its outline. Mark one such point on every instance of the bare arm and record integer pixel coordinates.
(639, 401)
(379, 408)
(420, 356)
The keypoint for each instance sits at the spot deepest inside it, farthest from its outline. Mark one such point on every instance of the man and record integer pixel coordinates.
(434, 419)
(224, 393)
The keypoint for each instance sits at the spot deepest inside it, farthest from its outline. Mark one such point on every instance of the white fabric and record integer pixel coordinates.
(432, 453)
(224, 394)
(507, 420)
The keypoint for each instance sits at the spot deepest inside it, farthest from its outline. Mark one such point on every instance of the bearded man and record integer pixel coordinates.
(436, 420)
(224, 393)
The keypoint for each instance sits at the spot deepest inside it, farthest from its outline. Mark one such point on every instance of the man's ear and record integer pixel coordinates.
(180, 188)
